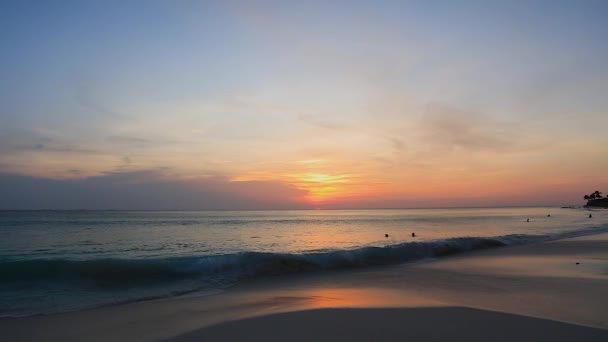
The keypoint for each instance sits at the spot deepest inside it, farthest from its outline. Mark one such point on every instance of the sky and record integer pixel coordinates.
(301, 104)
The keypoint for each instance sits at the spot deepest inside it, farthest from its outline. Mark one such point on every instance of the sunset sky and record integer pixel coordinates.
(302, 104)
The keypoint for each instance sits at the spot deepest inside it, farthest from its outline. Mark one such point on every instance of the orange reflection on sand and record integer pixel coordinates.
(364, 297)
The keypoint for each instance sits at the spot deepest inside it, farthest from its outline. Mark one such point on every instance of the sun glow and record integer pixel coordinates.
(321, 180)
(323, 187)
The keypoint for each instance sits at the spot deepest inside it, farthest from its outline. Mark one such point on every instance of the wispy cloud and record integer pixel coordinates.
(87, 99)
(127, 140)
(450, 128)
(397, 144)
(321, 123)
(24, 140)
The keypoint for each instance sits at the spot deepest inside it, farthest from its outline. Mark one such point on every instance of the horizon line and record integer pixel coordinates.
(571, 206)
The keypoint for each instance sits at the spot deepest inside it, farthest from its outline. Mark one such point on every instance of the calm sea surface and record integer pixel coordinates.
(53, 261)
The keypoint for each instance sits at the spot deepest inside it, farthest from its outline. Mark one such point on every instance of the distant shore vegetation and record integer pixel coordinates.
(595, 199)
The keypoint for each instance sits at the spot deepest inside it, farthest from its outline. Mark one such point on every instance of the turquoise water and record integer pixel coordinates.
(53, 261)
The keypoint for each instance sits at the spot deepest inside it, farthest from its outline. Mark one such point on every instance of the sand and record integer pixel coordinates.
(420, 324)
(526, 293)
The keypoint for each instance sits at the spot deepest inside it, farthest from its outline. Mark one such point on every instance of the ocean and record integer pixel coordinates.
(57, 261)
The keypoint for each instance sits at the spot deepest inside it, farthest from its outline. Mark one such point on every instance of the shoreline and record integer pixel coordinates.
(296, 266)
(498, 280)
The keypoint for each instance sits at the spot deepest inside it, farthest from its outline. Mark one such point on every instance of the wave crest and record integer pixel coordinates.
(229, 268)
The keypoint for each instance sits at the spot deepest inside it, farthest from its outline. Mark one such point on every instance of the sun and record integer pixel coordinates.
(321, 182)
(322, 187)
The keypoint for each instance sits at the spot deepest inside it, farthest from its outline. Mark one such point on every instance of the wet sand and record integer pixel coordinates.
(526, 293)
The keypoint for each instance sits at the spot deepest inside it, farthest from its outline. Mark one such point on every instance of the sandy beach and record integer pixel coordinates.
(525, 293)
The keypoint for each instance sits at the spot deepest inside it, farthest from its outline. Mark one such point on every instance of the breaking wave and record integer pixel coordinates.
(229, 268)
